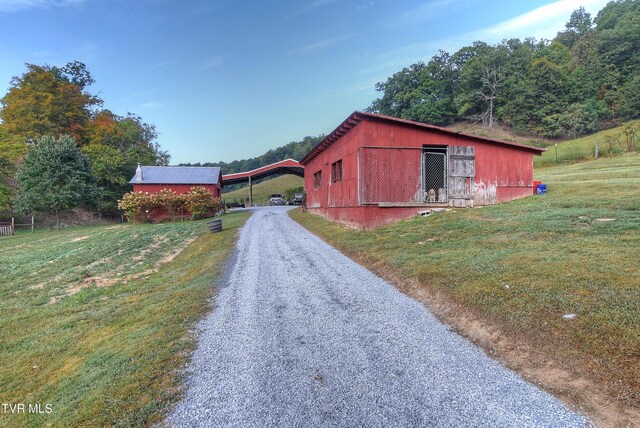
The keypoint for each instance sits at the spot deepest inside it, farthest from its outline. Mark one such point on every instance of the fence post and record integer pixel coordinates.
(33, 223)
(13, 226)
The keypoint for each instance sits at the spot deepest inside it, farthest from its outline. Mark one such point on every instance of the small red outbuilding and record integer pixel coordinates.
(180, 179)
(373, 169)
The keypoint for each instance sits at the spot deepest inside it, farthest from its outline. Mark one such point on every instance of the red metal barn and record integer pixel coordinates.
(372, 170)
(180, 179)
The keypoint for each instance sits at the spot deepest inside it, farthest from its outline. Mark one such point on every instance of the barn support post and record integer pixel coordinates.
(250, 192)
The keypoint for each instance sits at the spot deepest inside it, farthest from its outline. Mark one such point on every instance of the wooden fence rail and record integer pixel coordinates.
(6, 229)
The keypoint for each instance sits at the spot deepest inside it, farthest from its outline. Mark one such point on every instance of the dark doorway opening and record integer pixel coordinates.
(434, 173)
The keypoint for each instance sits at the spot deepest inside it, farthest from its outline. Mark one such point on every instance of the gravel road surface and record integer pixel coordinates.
(301, 336)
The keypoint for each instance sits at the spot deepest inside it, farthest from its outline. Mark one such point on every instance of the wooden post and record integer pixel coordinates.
(13, 226)
(250, 193)
(33, 223)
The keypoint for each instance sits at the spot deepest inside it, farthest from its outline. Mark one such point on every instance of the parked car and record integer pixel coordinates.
(276, 199)
(297, 199)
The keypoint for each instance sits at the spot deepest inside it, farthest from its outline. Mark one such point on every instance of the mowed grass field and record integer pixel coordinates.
(264, 189)
(97, 321)
(527, 264)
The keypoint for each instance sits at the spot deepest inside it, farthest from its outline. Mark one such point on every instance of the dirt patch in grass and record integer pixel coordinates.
(79, 238)
(107, 280)
(169, 257)
(158, 242)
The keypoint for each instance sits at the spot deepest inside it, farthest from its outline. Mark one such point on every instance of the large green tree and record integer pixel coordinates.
(579, 23)
(55, 177)
(586, 79)
(49, 100)
(12, 150)
(116, 144)
(420, 92)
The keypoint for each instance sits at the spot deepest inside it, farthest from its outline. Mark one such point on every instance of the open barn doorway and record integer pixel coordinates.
(434, 173)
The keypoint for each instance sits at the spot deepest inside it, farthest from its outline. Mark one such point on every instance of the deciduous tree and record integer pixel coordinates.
(49, 100)
(55, 177)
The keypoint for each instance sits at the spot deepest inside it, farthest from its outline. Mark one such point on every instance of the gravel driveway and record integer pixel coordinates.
(301, 336)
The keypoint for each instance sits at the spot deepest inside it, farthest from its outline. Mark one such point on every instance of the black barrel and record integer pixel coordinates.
(215, 226)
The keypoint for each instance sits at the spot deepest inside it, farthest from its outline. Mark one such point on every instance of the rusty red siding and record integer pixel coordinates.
(503, 171)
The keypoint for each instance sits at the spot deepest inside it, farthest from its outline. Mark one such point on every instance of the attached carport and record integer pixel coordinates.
(287, 166)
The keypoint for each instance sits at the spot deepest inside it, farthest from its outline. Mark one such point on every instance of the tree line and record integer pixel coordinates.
(586, 79)
(59, 148)
(294, 150)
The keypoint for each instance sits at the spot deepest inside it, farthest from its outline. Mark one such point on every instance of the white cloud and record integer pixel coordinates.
(212, 62)
(312, 5)
(23, 5)
(364, 6)
(152, 105)
(144, 92)
(323, 44)
(424, 12)
(159, 64)
(543, 22)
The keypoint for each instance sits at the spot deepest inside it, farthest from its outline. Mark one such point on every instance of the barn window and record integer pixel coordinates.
(336, 171)
(317, 179)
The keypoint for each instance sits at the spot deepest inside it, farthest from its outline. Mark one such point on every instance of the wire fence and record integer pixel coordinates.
(390, 175)
(405, 176)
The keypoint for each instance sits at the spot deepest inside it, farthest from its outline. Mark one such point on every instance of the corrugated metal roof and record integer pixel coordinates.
(178, 175)
(287, 166)
(358, 116)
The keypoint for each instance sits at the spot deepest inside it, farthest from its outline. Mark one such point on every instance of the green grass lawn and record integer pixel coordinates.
(611, 142)
(262, 190)
(97, 321)
(525, 264)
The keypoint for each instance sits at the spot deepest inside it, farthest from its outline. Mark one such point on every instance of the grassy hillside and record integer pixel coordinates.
(261, 191)
(527, 264)
(97, 321)
(499, 133)
(611, 142)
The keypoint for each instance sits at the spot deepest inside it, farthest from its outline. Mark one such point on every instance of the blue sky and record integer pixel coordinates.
(225, 80)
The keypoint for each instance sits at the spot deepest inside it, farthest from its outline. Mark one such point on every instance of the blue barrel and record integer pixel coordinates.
(541, 189)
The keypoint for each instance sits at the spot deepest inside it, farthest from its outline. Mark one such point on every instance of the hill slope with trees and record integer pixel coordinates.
(294, 150)
(586, 79)
(50, 101)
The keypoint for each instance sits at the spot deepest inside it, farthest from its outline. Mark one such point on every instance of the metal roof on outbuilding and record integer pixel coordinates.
(178, 175)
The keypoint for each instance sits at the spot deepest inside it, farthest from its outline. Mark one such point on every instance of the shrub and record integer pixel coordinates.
(137, 206)
(140, 206)
(201, 202)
